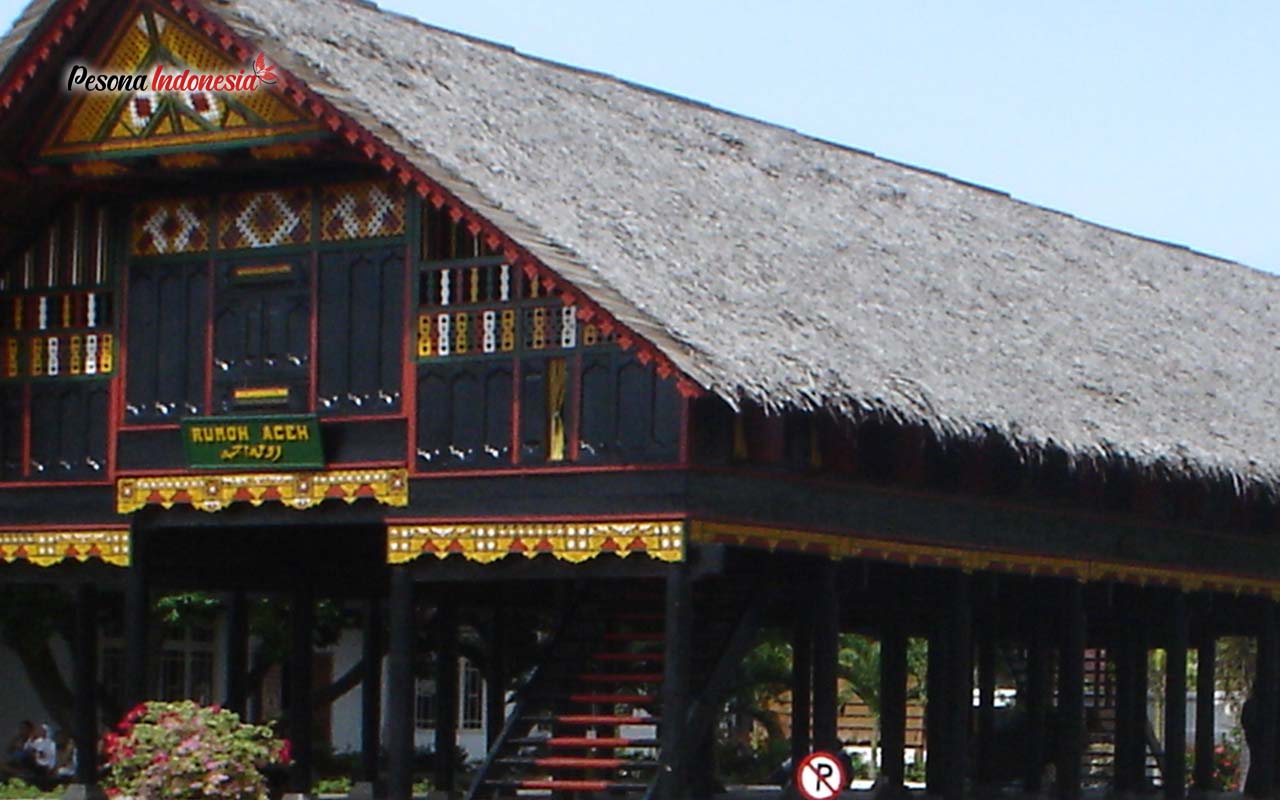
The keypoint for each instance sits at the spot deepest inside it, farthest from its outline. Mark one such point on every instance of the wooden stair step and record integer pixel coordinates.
(599, 741)
(633, 636)
(570, 785)
(624, 657)
(603, 719)
(638, 616)
(639, 699)
(620, 677)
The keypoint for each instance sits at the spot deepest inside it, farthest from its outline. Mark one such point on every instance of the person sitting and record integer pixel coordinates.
(18, 757)
(65, 767)
(44, 751)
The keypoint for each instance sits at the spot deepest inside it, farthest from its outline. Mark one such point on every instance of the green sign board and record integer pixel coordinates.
(281, 440)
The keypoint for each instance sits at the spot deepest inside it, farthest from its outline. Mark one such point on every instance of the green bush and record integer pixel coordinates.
(18, 789)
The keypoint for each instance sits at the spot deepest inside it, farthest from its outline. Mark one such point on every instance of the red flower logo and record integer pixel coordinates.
(264, 70)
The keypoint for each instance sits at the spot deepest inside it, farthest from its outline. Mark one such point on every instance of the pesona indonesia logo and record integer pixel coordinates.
(82, 79)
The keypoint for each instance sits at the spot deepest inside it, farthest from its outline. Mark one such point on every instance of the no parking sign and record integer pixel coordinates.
(821, 776)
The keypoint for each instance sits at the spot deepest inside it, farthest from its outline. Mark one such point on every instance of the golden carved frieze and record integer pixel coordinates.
(300, 490)
(574, 542)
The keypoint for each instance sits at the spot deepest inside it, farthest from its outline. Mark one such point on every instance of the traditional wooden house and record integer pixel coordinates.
(417, 320)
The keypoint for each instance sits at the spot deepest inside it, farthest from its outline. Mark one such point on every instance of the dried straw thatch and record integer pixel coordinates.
(791, 271)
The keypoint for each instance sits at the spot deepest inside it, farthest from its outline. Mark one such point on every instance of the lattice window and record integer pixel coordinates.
(472, 302)
(57, 309)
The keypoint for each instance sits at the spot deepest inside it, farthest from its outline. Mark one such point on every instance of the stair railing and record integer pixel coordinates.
(521, 697)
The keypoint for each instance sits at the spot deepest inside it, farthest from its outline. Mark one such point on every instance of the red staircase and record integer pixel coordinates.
(589, 722)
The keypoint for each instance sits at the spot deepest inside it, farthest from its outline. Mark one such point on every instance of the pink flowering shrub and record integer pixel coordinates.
(184, 751)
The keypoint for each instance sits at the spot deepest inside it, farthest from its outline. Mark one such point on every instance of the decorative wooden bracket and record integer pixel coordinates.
(44, 548)
(300, 490)
(574, 542)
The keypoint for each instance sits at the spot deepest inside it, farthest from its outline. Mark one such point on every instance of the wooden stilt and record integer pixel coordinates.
(826, 652)
(893, 706)
(936, 707)
(1071, 693)
(85, 694)
(1268, 698)
(959, 678)
(495, 701)
(673, 783)
(302, 623)
(237, 643)
(986, 702)
(801, 685)
(137, 613)
(370, 699)
(400, 689)
(1206, 687)
(1175, 715)
(1038, 700)
(446, 638)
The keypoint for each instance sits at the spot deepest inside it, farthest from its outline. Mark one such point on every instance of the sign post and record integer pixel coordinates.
(281, 441)
(821, 776)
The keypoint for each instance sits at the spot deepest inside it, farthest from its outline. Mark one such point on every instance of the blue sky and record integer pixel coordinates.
(1157, 118)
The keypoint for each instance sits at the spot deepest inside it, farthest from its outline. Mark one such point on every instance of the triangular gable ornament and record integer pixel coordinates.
(174, 112)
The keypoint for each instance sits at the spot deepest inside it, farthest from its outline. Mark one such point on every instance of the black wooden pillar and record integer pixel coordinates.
(237, 644)
(495, 701)
(959, 678)
(1175, 704)
(85, 693)
(1267, 696)
(446, 639)
(801, 685)
(1071, 693)
(893, 707)
(136, 616)
(1131, 700)
(302, 621)
(1122, 653)
(1038, 700)
(936, 707)
(676, 683)
(826, 654)
(1206, 688)
(986, 698)
(400, 689)
(370, 694)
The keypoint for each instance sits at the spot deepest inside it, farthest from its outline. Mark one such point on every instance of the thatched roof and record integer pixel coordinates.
(777, 267)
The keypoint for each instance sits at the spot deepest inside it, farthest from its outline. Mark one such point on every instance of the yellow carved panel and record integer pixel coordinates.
(300, 490)
(46, 548)
(574, 542)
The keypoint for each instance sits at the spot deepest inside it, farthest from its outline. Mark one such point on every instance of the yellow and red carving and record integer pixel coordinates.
(574, 542)
(46, 548)
(300, 490)
(101, 124)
